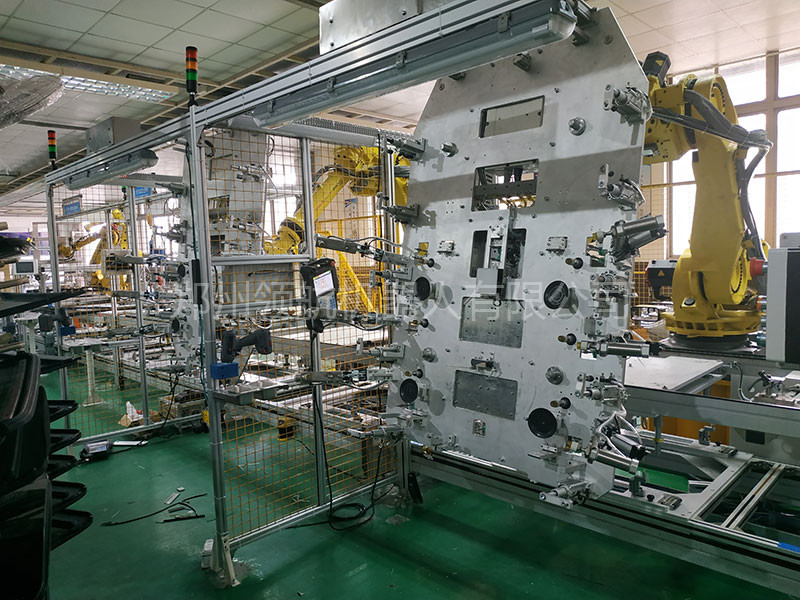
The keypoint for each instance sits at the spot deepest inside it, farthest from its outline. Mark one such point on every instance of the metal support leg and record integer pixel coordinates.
(658, 438)
(30, 336)
(403, 448)
(403, 456)
(92, 397)
(133, 244)
(221, 558)
(316, 361)
(52, 236)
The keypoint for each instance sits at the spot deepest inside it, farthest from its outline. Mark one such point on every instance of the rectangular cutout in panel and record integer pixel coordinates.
(488, 395)
(509, 118)
(478, 255)
(514, 253)
(486, 322)
(499, 186)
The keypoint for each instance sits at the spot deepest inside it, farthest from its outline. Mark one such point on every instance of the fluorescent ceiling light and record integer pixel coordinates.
(135, 161)
(94, 86)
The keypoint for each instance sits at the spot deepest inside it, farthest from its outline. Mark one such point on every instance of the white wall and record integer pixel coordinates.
(21, 224)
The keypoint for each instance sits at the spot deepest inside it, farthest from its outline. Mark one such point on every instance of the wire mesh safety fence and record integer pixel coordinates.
(96, 232)
(351, 212)
(270, 450)
(279, 456)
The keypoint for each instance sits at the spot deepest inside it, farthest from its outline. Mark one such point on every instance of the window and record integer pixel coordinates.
(747, 80)
(788, 204)
(774, 190)
(756, 191)
(753, 123)
(789, 140)
(682, 212)
(789, 74)
(682, 168)
(683, 195)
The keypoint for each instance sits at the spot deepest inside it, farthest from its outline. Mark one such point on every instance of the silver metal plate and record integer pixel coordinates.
(345, 21)
(483, 321)
(488, 395)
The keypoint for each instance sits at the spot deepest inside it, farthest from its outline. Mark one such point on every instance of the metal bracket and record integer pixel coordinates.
(401, 214)
(503, 22)
(579, 36)
(632, 103)
(409, 148)
(222, 560)
(523, 61)
(389, 353)
(704, 435)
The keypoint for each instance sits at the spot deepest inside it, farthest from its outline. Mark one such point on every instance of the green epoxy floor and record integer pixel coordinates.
(457, 545)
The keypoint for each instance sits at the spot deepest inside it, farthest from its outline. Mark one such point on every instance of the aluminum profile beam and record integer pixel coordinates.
(459, 36)
(769, 418)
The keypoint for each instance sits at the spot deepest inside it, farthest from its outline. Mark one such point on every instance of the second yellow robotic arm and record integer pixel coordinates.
(357, 167)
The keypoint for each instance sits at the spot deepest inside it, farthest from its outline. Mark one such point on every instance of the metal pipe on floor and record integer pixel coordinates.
(138, 429)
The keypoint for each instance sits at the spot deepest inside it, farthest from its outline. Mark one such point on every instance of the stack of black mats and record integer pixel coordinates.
(34, 507)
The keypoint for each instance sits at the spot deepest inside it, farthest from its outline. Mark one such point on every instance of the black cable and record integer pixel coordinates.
(153, 514)
(356, 519)
(360, 517)
(744, 182)
(361, 327)
(172, 390)
(731, 134)
(363, 513)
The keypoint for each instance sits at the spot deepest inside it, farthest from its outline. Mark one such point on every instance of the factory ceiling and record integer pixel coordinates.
(140, 43)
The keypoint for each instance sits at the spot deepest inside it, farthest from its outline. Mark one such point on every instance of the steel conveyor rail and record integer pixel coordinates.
(736, 554)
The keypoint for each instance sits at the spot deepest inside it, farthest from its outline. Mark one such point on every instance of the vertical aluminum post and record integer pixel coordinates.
(117, 371)
(387, 222)
(52, 236)
(221, 559)
(133, 244)
(307, 174)
(402, 448)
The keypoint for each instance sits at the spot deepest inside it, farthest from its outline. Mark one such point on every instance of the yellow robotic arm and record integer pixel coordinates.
(357, 167)
(713, 287)
(119, 239)
(67, 250)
